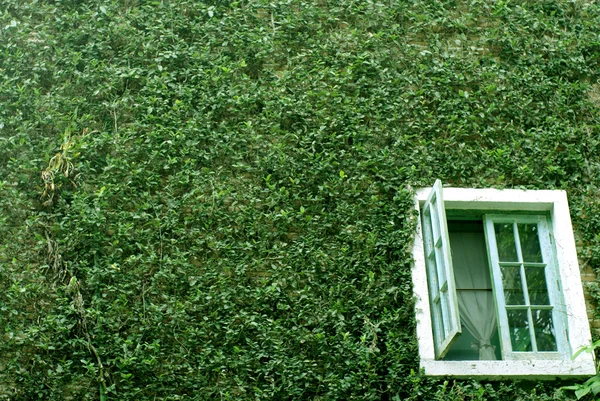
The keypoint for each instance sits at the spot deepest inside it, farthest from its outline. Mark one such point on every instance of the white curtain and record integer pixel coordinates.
(475, 298)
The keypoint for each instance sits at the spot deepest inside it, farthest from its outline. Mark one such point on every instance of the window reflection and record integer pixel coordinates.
(536, 285)
(513, 289)
(518, 323)
(530, 243)
(505, 240)
(544, 330)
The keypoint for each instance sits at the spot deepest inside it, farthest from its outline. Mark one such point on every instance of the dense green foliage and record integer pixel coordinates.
(212, 200)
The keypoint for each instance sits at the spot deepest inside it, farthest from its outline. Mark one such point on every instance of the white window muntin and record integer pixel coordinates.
(553, 202)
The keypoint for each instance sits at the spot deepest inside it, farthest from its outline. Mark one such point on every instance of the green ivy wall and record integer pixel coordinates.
(213, 200)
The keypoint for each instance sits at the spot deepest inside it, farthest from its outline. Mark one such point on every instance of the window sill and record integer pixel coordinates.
(496, 370)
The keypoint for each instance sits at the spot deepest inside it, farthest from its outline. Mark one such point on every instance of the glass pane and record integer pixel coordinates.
(544, 330)
(518, 326)
(505, 240)
(511, 281)
(445, 313)
(441, 272)
(437, 310)
(536, 285)
(530, 243)
(435, 222)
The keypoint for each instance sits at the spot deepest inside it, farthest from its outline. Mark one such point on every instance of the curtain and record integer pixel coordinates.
(475, 297)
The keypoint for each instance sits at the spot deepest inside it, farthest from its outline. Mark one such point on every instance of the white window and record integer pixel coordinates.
(497, 285)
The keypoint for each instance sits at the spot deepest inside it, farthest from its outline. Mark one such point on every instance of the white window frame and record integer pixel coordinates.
(555, 204)
(556, 300)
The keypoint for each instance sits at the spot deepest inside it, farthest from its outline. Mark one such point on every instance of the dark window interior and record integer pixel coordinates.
(469, 257)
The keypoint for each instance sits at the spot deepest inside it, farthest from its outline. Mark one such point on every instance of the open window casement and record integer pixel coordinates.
(442, 289)
(497, 285)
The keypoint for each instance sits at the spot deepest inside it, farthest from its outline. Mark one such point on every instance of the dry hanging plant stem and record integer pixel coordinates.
(60, 163)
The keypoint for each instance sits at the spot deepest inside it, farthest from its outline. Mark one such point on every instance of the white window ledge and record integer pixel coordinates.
(497, 370)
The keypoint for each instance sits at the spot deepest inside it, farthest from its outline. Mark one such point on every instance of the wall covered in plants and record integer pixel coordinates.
(212, 200)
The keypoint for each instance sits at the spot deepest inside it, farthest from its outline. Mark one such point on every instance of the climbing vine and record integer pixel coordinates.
(213, 200)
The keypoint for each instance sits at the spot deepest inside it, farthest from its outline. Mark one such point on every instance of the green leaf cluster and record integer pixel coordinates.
(212, 199)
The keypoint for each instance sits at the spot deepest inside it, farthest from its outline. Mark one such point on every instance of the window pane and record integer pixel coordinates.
(437, 317)
(445, 316)
(518, 326)
(530, 243)
(435, 222)
(544, 330)
(435, 257)
(536, 285)
(441, 272)
(511, 281)
(505, 240)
